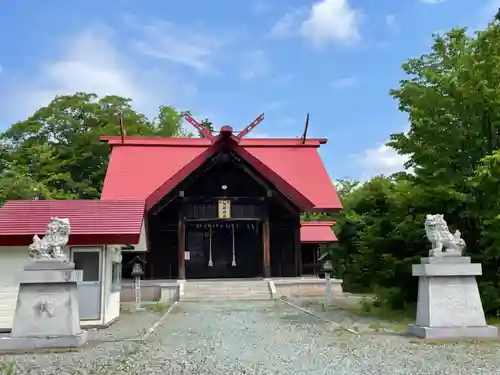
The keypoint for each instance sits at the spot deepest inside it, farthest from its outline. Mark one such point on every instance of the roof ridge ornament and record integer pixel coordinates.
(250, 126)
(206, 132)
(224, 129)
(306, 128)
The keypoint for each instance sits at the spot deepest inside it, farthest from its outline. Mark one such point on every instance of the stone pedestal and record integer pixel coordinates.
(449, 304)
(47, 308)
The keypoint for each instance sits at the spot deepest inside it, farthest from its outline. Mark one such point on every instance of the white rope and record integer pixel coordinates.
(234, 251)
(210, 263)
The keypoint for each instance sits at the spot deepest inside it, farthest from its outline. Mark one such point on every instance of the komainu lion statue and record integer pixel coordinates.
(443, 242)
(52, 244)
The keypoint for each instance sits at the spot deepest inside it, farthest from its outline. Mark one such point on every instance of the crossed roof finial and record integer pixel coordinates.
(208, 134)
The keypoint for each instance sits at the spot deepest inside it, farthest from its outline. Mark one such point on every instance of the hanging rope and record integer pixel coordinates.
(210, 263)
(234, 251)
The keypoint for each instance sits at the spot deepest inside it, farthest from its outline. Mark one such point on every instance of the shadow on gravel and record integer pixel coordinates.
(299, 318)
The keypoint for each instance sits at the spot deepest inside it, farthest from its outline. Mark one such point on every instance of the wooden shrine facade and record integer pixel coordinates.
(220, 206)
(224, 221)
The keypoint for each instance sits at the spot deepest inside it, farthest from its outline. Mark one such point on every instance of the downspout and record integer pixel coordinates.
(103, 284)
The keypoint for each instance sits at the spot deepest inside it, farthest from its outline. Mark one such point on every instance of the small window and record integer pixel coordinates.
(88, 262)
(116, 276)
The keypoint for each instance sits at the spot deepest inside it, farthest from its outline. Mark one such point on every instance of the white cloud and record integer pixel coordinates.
(344, 83)
(255, 64)
(286, 25)
(332, 21)
(90, 62)
(327, 21)
(161, 40)
(381, 160)
(390, 21)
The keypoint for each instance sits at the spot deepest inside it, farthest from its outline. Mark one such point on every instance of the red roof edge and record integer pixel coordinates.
(284, 187)
(176, 179)
(77, 239)
(300, 200)
(317, 232)
(193, 142)
(318, 223)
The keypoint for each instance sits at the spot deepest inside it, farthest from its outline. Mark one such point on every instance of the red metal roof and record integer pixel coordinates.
(317, 232)
(163, 141)
(93, 222)
(142, 168)
(136, 172)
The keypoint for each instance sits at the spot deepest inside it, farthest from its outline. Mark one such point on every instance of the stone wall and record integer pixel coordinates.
(151, 291)
(304, 288)
(168, 290)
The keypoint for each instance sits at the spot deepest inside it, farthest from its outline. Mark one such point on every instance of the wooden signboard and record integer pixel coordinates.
(224, 209)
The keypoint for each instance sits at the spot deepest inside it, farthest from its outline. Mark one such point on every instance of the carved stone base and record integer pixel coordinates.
(22, 344)
(450, 333)
(446, 253)
(46, 313)
(449, 305)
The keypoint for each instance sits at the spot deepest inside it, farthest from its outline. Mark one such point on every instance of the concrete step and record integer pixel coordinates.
(194, 300)
(222, 295)
(227, 286)
(226, 290)
(225, 298)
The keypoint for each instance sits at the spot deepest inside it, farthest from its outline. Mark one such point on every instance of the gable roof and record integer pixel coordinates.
(317, 232)
(145, 168)
(93, 222)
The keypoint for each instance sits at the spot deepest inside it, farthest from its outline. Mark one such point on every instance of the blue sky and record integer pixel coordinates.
(232, 60)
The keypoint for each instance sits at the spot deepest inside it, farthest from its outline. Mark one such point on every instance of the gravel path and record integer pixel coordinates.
(266, 338)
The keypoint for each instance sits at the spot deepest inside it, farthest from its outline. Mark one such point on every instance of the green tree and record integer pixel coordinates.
(16, 183)
(168, 123)
(452, 96)
(59, 144)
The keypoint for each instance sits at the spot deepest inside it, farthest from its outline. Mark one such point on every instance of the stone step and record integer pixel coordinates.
(226, 298)
(224, 286)
(192, 295)
(231, 290)
(227, 288)
(218, 293)
(226, 291)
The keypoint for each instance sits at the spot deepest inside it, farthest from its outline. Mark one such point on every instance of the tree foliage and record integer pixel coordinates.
(56, 153)
(452, 98)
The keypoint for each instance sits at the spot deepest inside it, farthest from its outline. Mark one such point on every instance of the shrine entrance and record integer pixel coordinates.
(224, 249)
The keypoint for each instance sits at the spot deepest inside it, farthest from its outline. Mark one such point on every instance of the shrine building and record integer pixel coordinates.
(223, 206)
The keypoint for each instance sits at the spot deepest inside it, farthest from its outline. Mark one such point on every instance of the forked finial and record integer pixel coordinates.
(250, 126)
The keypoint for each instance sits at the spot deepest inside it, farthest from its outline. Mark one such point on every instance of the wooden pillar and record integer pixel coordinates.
(266, 247)
(298, 251)
(182, 249)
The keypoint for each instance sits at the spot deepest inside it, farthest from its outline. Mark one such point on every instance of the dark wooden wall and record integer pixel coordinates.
(284, 240)
(162, 258)
(196, 200)
(310, 263)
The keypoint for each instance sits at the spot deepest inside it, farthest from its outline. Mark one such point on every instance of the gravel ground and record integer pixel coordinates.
(266, 338)
(130, 325)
